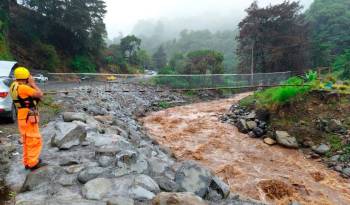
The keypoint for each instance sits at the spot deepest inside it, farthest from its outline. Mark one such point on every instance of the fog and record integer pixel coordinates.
(143, 17)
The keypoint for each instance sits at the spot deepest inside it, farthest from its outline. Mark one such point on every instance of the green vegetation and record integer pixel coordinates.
(329, 20)
(46, 34)
(4, 47)
(270, 34)
(336, 142)
(196, 62)
(342, 65)
(83, 64)
(127, 57)
(164, 105)
(159, 58)
(189, 41)
(280, 95)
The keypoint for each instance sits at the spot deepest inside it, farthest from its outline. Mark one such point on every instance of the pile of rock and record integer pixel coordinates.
(248, 122)
(105, 158)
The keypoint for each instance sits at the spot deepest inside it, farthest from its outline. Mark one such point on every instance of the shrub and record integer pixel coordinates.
(311, 76)
(83, 64)
(47, 56)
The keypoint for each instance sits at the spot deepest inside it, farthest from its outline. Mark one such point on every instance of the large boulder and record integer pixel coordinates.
(147, 183)
(284, 139)
(74, 116)
(177, 199)
(41, 177)
(191, 177)
(90, 173)
(140, 193)
(68, 135)
(97, 189)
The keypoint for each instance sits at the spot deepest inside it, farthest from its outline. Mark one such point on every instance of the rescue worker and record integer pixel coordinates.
(26, 95)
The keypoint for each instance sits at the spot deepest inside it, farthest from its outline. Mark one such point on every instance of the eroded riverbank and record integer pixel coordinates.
(249, 166)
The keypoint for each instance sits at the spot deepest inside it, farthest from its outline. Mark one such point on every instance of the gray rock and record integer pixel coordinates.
(213, 195)
(120, 201)
(221, 187)
(67, 180)
(90, 173)
(177, 199)
(74, 116)
(284, 139)
(147, 183)
(191, 177)
(258, 132)
(158, 166)
(335, 126)
(242, 126)
(97, 189)
(113, 149)
(166, 184)
(68, 161)
(252, 125)
(41, 177)
(68, 135)
(106, 161)
(74, 169)
(140, 193)
(346, 172)
(321, 149)
(335, 158)
(127, 157)
(250, 116)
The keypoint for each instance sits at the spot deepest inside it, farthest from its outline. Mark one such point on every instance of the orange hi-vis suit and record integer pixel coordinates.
(29, 130)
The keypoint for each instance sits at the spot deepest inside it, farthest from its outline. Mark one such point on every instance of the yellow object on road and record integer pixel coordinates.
(111, 78)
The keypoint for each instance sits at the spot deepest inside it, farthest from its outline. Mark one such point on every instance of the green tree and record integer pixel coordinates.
(144, 59)
(330, 26)
(130, 46)
(177, 62)
(159, 58)
(203, 62)
(77, 23)
(276, 35)
(83, 64)
(342, 65)
(222, 41)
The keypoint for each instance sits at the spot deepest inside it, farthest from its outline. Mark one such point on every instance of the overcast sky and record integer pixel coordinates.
(122, 15)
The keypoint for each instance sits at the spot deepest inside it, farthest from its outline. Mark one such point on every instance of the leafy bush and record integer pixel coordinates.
(342, 65)
(47, 56)
(311, 76)
(83, 64)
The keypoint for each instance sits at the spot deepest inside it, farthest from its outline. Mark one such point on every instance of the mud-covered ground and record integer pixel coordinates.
(272, 174)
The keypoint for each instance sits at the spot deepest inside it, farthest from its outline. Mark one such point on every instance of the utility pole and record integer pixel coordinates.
(252, 66)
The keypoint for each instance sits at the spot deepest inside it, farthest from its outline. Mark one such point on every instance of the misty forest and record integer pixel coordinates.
(283, 37)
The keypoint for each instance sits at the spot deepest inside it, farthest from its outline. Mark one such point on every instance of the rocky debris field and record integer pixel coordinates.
(97, 153)
(323, 133)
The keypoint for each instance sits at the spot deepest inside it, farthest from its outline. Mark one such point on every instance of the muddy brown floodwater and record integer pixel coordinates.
(274, 174)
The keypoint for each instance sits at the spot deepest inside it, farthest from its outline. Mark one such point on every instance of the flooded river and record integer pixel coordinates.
(274, 174)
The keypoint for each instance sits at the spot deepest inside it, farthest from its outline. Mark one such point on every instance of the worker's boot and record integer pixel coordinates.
(39, 165)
